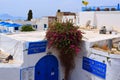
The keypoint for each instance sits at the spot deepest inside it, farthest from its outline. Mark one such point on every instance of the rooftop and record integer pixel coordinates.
(94, 35)
(89, 36)
(28, 36)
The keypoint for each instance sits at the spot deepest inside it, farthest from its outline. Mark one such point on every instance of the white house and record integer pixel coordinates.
(24, 56)
(32, 23)
(7, 27)
(45, 22)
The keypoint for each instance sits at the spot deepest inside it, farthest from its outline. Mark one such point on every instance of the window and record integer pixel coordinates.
(16, 28)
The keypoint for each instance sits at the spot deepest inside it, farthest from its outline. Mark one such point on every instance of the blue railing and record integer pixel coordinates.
(101, 8)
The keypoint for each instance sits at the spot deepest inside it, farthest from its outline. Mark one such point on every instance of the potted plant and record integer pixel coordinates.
(65, 38)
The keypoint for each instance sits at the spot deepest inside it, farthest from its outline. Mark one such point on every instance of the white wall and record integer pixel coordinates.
(108, 18)
(9, 74)
(12, 71)
(12, 46)
(85, 16)
(31, 59)
(11, 29)
(101, 18)
(43, 21)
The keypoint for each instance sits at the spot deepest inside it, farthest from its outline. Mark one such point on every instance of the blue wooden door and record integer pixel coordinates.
(47, 68)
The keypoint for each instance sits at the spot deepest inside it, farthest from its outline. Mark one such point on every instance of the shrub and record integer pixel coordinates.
(27, 28)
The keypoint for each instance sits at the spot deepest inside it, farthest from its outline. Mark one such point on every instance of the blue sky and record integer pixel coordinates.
(47, 7)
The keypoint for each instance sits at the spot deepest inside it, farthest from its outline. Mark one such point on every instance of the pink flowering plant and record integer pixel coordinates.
(66, 38)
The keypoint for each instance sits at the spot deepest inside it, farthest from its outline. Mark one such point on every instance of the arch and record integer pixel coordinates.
(47, 68)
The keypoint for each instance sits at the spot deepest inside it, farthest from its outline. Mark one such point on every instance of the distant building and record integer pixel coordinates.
(38, 24)
(51, 19)
(45, 22)
(9, 27)
(32, 22)
(66, 16)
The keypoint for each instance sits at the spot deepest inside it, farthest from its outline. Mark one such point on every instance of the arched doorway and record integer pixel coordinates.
(47, 68)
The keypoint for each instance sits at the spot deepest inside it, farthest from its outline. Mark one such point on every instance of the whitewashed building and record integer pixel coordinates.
(9, 27)
(24, 56)
(33, 23)
(68, 16)
(45, 22)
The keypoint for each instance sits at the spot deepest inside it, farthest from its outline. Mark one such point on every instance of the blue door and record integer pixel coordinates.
(47, 68)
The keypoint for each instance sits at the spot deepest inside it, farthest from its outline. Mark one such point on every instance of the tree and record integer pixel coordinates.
(30, 15)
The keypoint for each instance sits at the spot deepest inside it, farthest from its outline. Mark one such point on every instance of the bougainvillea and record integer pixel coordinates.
(66, 38)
